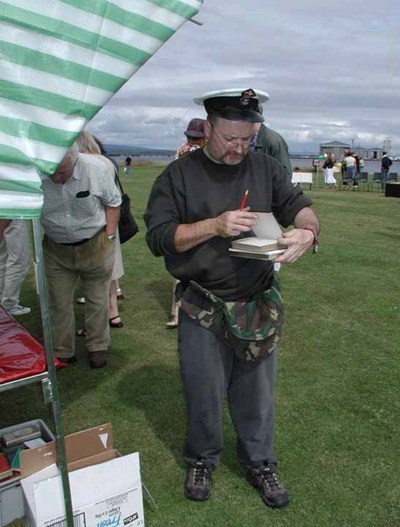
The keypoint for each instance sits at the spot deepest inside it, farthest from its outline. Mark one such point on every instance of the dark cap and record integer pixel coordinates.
(195, 128)
(234, 104)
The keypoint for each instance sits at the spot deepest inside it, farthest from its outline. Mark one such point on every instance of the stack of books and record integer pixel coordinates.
(262, 246)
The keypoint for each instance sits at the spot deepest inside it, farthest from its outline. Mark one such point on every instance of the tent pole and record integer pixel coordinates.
(51, 388)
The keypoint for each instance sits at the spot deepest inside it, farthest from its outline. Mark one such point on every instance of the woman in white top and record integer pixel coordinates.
(328, 166)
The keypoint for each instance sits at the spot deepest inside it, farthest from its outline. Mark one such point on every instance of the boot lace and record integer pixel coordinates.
(200, 474)
(270, 479)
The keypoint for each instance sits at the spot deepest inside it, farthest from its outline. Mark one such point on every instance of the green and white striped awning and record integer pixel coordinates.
(60, 62)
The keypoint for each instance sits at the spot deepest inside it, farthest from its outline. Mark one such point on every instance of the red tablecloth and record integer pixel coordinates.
(20, 354)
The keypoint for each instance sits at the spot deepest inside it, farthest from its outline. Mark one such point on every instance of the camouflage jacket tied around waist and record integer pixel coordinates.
(251, 329)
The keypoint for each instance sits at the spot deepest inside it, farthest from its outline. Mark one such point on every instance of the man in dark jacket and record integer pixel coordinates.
(271, 143)
(386, 163)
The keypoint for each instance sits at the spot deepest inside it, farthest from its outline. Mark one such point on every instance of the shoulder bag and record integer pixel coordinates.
(127, 226)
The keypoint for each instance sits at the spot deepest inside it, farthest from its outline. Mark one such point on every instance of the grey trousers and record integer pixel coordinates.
(14, 262)
(93, 263)
(210, 372)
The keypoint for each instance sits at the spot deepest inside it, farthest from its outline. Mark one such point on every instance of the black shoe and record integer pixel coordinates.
(273, 492)
(198, 482)
(114, 324)
(120, 295)
(98, 359)
(67, 360)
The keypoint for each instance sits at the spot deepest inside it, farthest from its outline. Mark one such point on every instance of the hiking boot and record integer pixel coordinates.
(198, 482)
(98, 359)
(273, 492)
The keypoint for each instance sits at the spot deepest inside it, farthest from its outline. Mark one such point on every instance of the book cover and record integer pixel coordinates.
(5, 468)
(15, 463)
(256, 255)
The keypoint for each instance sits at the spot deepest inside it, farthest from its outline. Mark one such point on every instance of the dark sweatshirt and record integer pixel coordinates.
(194, 188)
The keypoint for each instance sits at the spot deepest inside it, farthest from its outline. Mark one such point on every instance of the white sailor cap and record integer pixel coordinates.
(235, 104)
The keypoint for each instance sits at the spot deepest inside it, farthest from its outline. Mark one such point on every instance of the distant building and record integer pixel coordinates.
(369, 152)
(338, 149)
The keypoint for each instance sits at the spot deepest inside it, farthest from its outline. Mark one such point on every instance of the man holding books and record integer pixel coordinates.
(231, 308)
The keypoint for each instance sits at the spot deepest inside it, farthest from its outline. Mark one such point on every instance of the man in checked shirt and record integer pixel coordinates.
(80, 218)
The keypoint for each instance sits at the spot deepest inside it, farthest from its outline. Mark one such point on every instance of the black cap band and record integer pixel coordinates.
(242, 108)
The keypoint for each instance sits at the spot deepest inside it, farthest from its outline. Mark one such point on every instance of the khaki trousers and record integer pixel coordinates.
(93, 263)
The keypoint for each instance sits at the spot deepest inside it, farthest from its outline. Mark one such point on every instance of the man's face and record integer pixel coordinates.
(228, 141)
(64, 170)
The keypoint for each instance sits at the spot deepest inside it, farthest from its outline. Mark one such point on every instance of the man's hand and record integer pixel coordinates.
(297, 241)
(234, 222)
(230, 223)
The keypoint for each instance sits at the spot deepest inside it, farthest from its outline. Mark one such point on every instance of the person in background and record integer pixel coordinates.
(193, 213)
(328, 166)
(120, 295)
(195, 139)
(350, 167)
(386, 163)
(80, 219)
(14, 264)
(358, 170)
(127, 169)
(272, 143)
(88, 144)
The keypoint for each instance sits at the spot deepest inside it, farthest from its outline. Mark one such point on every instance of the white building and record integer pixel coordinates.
(338, 149)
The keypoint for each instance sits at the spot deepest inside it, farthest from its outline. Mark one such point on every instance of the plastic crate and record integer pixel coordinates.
(11, 500)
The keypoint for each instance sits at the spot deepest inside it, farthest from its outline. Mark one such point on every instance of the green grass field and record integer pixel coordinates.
(338, 384)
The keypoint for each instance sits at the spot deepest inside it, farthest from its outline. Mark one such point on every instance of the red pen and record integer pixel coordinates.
(244, 199)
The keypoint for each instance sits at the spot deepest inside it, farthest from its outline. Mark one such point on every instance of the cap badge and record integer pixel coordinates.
(246, 96)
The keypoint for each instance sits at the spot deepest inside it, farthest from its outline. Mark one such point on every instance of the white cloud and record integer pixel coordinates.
(331, 69)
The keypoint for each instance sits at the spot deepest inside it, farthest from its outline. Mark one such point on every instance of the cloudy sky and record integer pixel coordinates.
(331, 70)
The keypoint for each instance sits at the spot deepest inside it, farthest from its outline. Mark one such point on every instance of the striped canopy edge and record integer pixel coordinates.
(61, 61)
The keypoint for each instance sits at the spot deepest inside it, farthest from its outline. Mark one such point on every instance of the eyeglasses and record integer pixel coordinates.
(233, 141)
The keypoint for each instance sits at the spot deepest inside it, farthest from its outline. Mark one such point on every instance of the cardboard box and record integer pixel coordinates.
(11, 500)
(106, 489)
